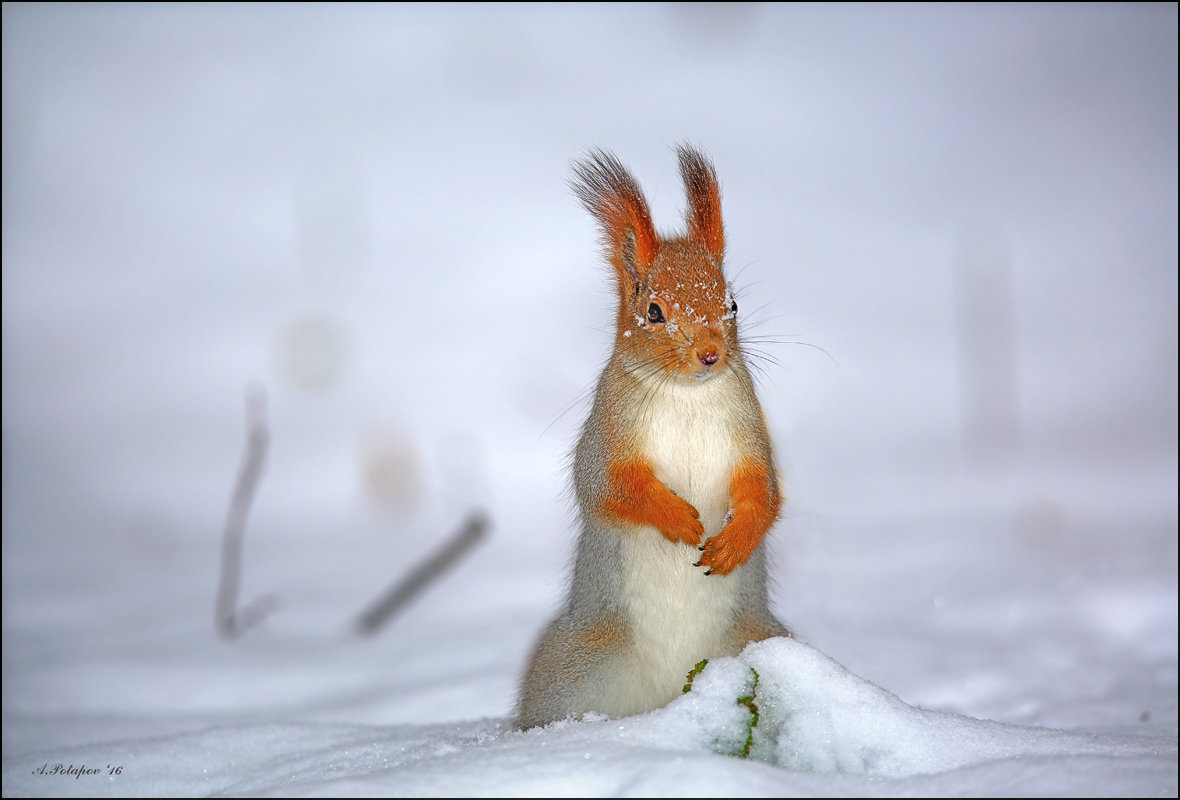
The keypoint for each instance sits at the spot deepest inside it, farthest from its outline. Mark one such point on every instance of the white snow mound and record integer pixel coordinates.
(816, 716)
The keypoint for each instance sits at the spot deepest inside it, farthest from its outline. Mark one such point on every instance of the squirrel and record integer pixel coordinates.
(673, 472)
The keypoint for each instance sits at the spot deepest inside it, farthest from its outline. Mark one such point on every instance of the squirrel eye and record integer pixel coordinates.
(655, 313)
(733, 306)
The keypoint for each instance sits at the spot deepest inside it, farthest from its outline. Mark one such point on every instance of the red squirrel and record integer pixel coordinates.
(673, 472)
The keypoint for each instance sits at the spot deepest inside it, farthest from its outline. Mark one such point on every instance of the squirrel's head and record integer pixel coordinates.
(677, 315)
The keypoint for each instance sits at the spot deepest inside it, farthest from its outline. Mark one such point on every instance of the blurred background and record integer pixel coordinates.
(956, 226)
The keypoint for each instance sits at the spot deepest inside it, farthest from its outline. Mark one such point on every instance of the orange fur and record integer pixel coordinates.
(751, 628)
(704, 201)
(636, 496)
(610, 193)
(755, 509)
(682, 278)
(605, 633)
(627, 213)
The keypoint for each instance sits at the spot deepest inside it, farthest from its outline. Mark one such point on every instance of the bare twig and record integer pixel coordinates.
(428, 571)
(229, 621)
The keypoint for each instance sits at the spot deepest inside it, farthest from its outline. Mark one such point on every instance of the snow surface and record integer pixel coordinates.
(954, 225)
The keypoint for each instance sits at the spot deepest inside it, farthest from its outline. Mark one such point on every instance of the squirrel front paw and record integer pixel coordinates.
(731, 547)
(678, 520)
(637, 497)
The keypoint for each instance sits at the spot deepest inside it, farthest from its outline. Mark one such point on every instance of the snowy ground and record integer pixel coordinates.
(968, 212)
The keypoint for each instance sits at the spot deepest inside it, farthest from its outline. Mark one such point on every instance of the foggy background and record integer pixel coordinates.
(958, 222)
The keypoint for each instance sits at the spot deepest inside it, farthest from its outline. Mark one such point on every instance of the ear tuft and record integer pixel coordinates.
(704, 199)
(613, 197)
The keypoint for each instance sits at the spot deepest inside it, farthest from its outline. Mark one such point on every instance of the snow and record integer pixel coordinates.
(362, 212)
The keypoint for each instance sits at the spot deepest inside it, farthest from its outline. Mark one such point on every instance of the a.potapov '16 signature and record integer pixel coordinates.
(78, 771)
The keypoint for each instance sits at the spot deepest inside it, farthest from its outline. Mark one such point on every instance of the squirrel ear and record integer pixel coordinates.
(704, 199)
(612, 195)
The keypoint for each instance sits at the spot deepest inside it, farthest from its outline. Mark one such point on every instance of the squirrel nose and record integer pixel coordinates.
(708, 356)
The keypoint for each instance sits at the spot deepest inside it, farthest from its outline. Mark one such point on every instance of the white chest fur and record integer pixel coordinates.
(689, 441)
(677, 613)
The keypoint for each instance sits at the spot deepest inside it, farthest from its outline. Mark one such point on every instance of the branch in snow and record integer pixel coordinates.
(411, 585)
(231, 622)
